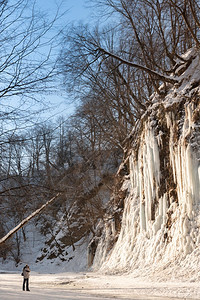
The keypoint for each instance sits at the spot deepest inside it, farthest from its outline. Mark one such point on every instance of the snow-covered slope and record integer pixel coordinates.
(73, 259)
(160, 226)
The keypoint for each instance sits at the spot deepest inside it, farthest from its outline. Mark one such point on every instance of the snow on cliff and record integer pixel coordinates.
(160, 226)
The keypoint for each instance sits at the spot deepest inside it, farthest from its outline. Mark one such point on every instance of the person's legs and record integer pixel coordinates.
(24, 284)
(27, 284)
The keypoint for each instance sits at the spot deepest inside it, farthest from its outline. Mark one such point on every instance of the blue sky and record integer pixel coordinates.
(76, 11)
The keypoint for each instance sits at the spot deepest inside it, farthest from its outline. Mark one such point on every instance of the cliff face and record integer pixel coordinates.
(156, 221)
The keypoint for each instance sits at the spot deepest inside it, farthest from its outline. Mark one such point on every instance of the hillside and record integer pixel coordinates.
(153, 220)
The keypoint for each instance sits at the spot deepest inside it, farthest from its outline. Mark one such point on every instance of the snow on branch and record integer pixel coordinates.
(131, 64)
(26, 220)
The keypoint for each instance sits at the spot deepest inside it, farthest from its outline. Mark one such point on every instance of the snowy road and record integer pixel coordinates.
(92, 286)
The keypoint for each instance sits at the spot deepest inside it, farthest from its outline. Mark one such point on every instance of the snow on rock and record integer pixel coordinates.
(161, 216)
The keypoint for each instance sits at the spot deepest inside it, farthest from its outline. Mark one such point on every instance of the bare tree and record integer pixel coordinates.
(27, 60)
(151, 36)
(189, 11)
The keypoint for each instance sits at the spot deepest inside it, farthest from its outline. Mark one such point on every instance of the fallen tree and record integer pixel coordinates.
(26, 220)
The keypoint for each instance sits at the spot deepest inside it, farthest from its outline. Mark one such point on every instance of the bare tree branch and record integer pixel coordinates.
(143, 68)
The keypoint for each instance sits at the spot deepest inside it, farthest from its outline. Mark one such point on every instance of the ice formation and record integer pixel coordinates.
(161, 215)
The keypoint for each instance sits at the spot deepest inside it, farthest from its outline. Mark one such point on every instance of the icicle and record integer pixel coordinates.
(150, 234)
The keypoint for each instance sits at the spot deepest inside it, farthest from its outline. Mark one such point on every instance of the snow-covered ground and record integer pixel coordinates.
(89, 285)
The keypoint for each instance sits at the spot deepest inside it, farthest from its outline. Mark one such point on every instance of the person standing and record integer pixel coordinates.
(26, 274)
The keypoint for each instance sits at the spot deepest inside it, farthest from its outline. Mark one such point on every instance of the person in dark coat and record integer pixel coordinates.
(26, 273)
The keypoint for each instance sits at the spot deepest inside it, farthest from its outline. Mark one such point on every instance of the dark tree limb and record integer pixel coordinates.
(131, 64)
